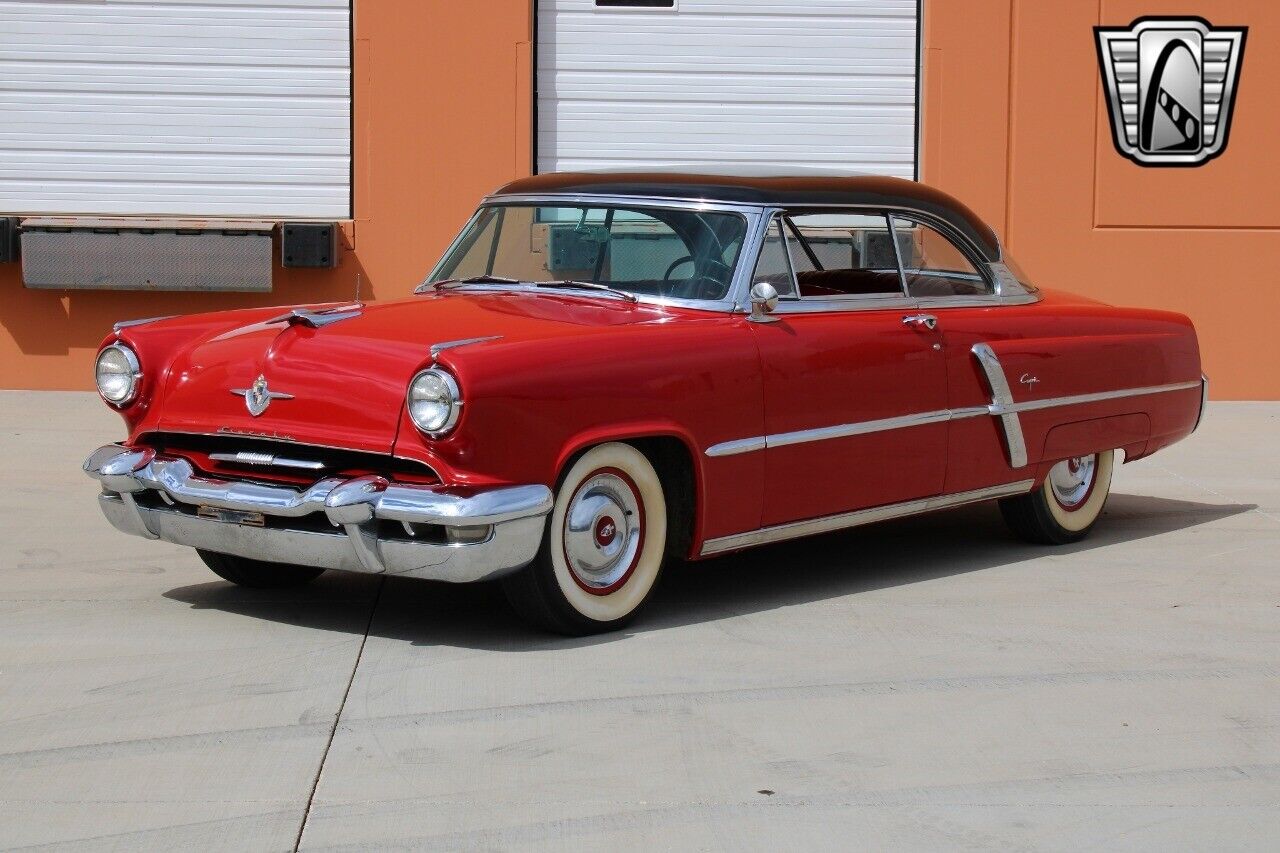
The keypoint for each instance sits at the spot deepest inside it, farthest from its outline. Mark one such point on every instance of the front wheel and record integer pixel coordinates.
(604, 547)
(257, 574)
(1065, 507)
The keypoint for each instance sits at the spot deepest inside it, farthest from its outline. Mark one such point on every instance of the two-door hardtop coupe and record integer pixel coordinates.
(609, 370)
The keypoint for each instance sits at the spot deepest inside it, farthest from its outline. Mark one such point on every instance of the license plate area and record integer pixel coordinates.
(232, 516)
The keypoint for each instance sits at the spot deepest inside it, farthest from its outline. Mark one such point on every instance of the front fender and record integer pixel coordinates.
(529, 408)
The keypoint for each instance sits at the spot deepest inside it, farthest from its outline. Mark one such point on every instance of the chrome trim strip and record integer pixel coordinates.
(1001, 404)
(863, 302)
(1002, 407)
(247, 457)
(827, 524)
(436, 349)
(978, 301)
(741, 445)
(783, 439)
(128, 324)
(689, 202)
(861, 428)
(1052, 402)
(1204, 400)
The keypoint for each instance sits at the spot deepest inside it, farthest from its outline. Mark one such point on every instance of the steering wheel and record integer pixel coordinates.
(666, 277)
(704, 281)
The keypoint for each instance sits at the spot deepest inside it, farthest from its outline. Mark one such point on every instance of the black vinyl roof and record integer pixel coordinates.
(854, 191)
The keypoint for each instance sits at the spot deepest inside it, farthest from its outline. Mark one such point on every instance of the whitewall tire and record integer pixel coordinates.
(604, 547)
(1068, 503)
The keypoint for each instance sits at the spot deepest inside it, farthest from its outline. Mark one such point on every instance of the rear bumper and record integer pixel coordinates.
(366, 524)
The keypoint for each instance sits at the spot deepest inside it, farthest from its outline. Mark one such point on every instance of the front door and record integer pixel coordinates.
(855, 407)
(855, 381)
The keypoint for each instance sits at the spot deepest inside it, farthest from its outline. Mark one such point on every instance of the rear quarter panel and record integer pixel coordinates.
(1070, 347)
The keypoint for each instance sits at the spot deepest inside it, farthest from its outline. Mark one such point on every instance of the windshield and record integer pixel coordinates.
(662, 252)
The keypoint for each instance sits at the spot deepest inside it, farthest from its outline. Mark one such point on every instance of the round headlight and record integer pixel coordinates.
(117, 373)
(434, 401)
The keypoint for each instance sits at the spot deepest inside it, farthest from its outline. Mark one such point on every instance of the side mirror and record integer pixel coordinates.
(764, 299)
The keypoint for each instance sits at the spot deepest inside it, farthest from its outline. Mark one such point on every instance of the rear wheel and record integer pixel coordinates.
(604, 547)
(258, 574)
(1065, 508)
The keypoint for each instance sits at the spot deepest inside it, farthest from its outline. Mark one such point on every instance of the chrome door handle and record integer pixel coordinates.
(929, 321)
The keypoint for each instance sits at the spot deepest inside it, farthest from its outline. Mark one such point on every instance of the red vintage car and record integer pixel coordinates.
(609, 371)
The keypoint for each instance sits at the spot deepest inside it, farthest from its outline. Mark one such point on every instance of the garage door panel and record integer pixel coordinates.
(73, 16)
(53, 78)
(579, 87)
(214, 107)
(14, 143)
(162, 168)
(830, 84)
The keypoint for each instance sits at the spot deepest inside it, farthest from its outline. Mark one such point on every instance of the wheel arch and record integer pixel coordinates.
(671, 450)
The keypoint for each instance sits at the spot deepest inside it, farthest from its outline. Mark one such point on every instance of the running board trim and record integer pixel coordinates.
(826, 524)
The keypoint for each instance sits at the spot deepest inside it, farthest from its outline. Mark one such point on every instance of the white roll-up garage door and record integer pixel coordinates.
(756, 84)
(185, 107)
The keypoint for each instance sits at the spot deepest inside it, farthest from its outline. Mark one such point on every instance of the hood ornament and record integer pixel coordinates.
(258, 396)
(318, 319)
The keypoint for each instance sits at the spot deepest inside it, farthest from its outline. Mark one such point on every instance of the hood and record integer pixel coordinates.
(346, 381)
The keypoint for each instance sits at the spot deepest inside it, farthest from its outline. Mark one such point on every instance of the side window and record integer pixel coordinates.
(934, 266)
(773, 266)
(843, 255)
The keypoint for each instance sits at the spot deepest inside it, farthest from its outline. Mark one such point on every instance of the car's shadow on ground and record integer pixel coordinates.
(969, 539)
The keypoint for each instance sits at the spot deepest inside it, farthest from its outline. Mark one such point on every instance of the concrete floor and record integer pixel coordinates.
(926, 684)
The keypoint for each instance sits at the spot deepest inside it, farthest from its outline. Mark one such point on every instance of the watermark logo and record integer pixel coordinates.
(1171, 84)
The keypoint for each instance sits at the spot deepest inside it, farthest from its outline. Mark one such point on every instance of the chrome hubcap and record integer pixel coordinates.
(1072, 479)
(602, 531)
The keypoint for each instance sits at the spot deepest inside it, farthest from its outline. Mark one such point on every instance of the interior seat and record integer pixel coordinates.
(848, 282)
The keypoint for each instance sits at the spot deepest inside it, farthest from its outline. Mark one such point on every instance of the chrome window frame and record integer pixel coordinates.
(878, 300)
(981, 268)
(770, 222)
(758, 219)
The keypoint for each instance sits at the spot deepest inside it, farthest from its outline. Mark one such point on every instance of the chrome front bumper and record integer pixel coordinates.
(366, 524)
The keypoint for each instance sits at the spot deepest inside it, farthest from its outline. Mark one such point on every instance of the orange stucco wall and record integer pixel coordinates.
(1014, 123)
(442, 115)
